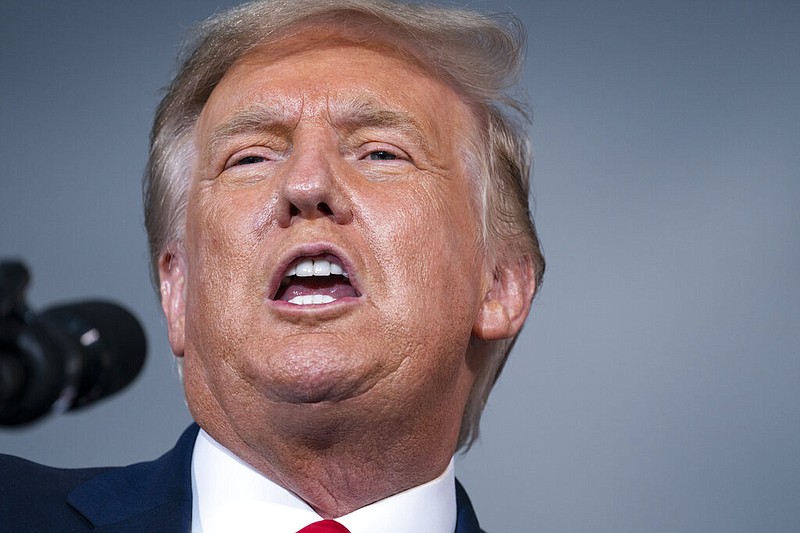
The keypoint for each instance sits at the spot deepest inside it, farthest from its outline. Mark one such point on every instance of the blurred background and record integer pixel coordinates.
(656, 386)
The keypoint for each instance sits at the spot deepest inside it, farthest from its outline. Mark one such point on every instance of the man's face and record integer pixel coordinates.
(331, 253)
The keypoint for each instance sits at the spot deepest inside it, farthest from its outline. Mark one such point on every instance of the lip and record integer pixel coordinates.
(317, 251)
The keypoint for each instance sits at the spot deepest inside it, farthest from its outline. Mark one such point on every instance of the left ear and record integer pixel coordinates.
(507, 302)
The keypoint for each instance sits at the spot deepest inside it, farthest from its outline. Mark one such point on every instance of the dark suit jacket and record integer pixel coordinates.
(144, 497)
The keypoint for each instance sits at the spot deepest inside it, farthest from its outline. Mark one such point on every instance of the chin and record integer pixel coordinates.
(313, 376)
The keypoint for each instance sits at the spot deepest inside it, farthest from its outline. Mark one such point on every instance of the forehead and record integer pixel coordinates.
(323, 74)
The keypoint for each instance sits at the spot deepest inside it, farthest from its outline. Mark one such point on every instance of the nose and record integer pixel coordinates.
(312, 189)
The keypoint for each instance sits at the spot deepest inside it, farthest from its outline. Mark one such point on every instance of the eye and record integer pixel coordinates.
(381, 151)
(381, 155)
(250, 156)
(249, 160)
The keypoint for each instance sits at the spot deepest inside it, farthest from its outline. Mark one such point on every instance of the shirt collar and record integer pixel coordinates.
(229, 495)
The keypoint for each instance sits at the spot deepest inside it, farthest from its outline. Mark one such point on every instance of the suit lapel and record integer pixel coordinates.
(466, 521)
(151, 496)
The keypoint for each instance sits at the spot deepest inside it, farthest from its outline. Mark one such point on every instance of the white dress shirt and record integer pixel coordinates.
(230, 496)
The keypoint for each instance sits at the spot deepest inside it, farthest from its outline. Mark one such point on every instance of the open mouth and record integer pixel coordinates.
(315, 281)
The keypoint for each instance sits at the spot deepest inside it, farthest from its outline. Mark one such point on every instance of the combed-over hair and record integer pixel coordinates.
(479, 56)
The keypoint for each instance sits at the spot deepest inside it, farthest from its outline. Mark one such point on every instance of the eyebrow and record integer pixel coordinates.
(358, 113)
(258, 117)
(362, 112)
(349, 116)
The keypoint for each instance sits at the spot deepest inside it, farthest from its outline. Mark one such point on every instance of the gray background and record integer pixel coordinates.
(656, 385)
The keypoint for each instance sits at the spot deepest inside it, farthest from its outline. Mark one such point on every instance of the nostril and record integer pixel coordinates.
(323, 208)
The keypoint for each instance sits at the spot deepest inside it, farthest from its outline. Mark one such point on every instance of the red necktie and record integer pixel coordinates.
(325, 526)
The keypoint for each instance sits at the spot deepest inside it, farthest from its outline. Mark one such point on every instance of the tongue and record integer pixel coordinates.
(333, 286)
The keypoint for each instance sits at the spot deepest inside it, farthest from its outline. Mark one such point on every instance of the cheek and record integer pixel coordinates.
(443, 235)
(220, 274)
(430, 258)
(223, 232)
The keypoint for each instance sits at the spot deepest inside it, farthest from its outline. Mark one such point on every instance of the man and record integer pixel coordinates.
(336, 202)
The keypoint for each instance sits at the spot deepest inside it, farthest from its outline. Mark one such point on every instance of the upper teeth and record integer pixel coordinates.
(316, 267)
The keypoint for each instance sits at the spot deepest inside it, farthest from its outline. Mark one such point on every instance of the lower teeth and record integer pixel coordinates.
(309, 299)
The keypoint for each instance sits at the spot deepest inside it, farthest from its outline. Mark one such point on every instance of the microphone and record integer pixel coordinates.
(64, 358)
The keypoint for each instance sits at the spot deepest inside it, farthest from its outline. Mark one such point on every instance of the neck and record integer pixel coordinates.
(337, 469)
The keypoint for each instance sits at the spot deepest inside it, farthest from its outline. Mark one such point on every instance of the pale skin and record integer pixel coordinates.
(334, 150)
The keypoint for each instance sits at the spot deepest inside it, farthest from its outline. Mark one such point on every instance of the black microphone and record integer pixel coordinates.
(65, 358)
